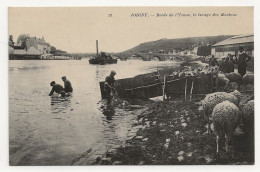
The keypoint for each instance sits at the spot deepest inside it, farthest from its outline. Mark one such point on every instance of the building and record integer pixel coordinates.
(231, 46)
(34, 48)
(10, 50)
(36, 44)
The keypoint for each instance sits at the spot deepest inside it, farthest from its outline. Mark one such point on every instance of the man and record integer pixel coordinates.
(57, 88)
(221, 64)
(67, 85)
(110, 85)
(242, 60)
(213, 61)
(229, 65)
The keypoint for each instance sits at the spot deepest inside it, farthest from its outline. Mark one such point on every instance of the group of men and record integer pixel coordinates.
(109, 87)
(226, 64)
(59, 88)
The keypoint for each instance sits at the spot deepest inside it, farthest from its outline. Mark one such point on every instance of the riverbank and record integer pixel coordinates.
(172, 133)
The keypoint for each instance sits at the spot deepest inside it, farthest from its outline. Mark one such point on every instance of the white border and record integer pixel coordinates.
(4, 152)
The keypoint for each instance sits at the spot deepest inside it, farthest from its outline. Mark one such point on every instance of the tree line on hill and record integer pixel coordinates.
(179, 44)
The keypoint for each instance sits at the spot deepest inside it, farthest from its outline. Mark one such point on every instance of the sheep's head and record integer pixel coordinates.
(237, 94)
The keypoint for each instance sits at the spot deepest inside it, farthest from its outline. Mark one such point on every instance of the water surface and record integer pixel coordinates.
(46, 130)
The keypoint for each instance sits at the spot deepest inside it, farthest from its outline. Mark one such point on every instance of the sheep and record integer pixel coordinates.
(234, 77)
(222, 80)
(226, 118)
(248, 117)
(248, 79)
(211, 100)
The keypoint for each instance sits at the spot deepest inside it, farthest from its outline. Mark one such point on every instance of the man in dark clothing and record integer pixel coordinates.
(229, 65)
(213, 61)
(221, 64)
(242, 60)
(67, 85)
(110, 85)
(57, 88)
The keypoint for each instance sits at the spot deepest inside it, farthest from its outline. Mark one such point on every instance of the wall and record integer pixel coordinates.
(19, 51)
(43, 49)
(232, 49)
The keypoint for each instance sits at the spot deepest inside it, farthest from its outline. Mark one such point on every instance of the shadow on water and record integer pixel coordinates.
(60, 104)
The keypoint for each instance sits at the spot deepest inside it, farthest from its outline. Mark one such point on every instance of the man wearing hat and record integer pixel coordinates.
(221, 63)
(242, 60)
(110, 85)
(57, 88)
(67, 85)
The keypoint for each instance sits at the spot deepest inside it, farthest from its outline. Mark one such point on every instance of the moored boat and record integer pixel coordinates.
(102, 58)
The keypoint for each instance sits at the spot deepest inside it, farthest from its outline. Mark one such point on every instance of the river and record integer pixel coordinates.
(46, 130)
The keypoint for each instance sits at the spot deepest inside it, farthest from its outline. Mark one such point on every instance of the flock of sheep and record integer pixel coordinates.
(226, 113)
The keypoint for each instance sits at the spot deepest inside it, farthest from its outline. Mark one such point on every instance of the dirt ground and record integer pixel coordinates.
(172, 132)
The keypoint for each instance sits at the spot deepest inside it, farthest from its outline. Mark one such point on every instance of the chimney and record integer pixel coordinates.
(97, 46)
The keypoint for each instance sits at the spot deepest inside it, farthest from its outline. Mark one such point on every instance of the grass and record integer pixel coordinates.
(173, 134)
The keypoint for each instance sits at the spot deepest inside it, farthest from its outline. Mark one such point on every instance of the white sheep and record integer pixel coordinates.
(248, 117)
(211, 100)
(226, 118)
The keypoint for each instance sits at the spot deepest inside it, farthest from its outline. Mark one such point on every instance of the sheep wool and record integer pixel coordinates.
(222, 80)
(237, 94)
(234, 77)
(225, 118)
(248, 116)
(211, 100)
(248, 79)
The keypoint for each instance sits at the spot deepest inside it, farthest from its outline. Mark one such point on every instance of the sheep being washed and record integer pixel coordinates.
(211, 100)
(226, 118)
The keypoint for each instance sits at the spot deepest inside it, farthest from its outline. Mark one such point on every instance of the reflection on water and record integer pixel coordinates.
(59, 103)
(108, 110)
(46, 130)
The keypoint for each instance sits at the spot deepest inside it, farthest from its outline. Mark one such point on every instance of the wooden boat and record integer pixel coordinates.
(160, 84)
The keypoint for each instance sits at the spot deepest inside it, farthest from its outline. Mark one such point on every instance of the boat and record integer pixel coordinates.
(102, 58)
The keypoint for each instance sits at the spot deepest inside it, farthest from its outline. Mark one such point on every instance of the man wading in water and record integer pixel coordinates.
(110, 87)
(57, 88)
(67, 85)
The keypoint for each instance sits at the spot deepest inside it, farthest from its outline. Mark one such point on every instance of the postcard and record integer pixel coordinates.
(131, 85)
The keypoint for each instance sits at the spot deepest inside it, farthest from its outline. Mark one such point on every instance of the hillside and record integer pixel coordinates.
(177, 44)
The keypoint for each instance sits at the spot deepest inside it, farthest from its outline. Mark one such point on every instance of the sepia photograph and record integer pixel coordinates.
(131, 85)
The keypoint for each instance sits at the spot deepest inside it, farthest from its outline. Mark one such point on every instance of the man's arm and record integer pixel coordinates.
(110, 86)
(52, 91)
(106, 83)
(248, 58)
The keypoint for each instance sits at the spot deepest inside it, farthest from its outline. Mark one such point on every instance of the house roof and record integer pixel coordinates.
(41, 41)
(236, 40)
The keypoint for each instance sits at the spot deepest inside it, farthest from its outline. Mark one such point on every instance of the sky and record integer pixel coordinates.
(76, 29)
